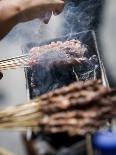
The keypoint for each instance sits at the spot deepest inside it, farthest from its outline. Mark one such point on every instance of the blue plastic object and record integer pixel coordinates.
(105, 142)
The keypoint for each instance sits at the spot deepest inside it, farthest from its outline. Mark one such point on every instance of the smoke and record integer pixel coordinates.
(34, 30)
(77, 16)
(82, 15)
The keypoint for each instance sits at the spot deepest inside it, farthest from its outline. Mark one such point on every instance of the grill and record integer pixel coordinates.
(76, 145)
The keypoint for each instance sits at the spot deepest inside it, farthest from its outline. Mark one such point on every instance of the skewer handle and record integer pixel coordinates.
(12, 63)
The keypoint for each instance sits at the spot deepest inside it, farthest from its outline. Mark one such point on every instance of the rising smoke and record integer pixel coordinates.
(78, 15)
(82, 15)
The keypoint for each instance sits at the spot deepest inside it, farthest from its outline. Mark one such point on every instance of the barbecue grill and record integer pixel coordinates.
(78, 144)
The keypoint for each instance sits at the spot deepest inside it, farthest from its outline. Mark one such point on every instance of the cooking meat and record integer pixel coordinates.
(59, 64)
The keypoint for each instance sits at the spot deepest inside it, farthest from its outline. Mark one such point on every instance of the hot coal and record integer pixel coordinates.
(59, 64)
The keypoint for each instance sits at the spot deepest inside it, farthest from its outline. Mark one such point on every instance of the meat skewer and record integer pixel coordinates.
(77, 109)
(27, 59)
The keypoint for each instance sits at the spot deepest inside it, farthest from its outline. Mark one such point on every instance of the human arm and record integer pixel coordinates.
(13, 12)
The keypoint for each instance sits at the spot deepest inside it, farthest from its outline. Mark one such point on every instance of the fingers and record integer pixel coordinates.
(41, 9)
(47, 17)
(58, 7)
(56, 12)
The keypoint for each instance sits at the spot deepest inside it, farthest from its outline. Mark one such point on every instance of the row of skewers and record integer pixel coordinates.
(77, 109)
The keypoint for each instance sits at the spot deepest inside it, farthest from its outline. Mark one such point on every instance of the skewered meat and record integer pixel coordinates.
(77, 109)
(59, 64)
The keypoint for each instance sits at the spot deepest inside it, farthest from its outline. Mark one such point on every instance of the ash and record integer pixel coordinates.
(59, 64)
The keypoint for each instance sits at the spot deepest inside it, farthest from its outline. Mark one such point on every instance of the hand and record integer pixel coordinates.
(13, 12)
(40, 8)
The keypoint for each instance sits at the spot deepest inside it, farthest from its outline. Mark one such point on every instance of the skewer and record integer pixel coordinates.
(12, 63)
(24, 60)
(77, 109)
